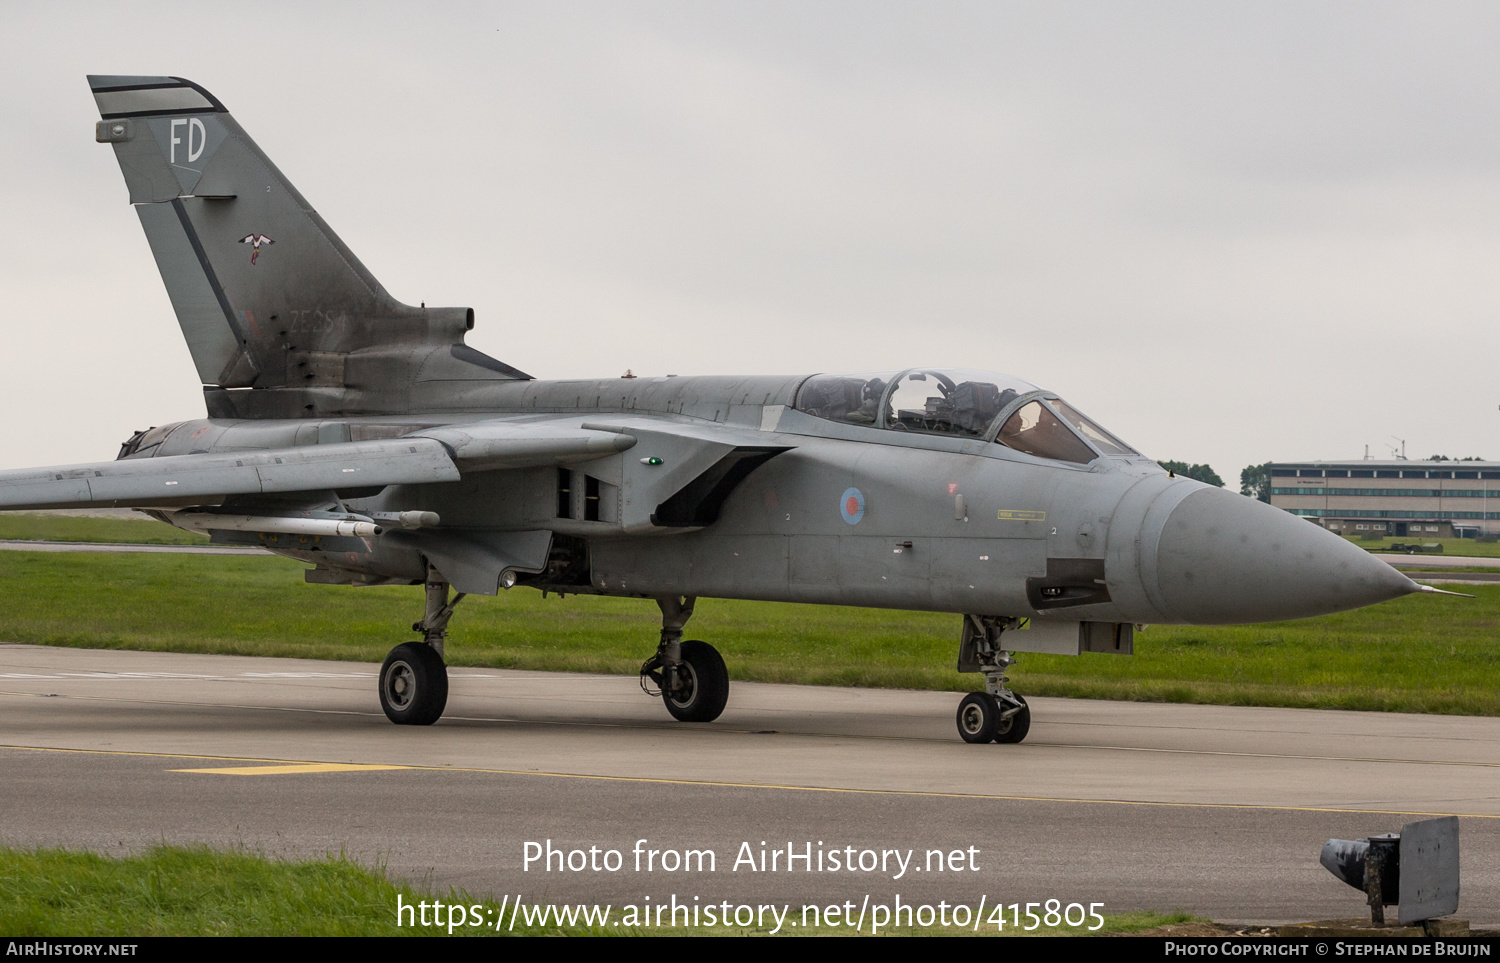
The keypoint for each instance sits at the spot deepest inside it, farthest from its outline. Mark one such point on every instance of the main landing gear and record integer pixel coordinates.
(689, 676)
(414, 680)
(996, 714)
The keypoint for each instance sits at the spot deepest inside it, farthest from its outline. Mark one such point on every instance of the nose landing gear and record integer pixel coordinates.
(996, 714)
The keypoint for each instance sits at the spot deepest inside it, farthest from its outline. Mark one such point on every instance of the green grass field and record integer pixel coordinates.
(81, 528)
(195, 891)
(1417, 654)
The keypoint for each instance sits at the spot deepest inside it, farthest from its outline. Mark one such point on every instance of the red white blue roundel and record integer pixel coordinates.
(852, 505)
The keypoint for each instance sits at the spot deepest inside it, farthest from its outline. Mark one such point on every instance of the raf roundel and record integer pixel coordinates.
(852, 505)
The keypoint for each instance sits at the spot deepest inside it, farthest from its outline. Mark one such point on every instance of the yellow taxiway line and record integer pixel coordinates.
(273, 766)
(290, 769)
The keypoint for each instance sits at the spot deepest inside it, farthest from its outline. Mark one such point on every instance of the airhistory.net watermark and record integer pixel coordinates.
(864, 916)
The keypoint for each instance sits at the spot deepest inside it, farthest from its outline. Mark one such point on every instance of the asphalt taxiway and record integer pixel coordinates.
(1216, 810)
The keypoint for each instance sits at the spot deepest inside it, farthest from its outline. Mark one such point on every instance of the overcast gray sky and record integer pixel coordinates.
(1230, 233)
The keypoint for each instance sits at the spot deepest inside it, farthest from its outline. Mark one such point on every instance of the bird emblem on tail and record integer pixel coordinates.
(255, 241)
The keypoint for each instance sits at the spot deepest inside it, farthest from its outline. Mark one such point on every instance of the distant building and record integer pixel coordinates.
(1411, 499)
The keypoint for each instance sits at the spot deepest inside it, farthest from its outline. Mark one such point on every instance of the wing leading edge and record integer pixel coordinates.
(173, 481)
(680, 485)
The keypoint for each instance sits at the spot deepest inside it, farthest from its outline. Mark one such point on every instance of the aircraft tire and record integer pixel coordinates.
(978, 717)
(709, 691)
(413, 685)
(1015, 728)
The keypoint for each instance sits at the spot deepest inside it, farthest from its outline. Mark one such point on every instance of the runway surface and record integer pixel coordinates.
(1220, 811)
(1402, 560)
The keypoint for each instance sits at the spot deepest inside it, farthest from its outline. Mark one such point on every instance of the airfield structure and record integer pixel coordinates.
(1411, 499)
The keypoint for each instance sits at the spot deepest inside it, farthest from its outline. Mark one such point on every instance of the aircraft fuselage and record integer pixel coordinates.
(835, 514)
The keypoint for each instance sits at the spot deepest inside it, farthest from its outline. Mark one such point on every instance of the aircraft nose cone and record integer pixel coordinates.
(1223, 558)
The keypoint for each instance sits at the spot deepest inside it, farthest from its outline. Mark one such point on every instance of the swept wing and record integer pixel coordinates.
(178, 480)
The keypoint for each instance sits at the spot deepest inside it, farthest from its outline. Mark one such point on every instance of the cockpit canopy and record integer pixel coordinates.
(963, 403)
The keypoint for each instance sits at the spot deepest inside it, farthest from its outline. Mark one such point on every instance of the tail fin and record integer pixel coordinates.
(267, 295)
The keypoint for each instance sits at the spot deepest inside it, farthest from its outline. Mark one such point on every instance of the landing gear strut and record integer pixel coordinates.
(996, 714)
(414, 680)
(689, 676)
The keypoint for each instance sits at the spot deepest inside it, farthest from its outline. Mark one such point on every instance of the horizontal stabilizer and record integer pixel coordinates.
(180, 480)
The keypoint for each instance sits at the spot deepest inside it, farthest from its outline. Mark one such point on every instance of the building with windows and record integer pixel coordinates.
(1412, 499)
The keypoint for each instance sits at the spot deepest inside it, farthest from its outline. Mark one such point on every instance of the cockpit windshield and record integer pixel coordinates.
(1035, 430)
(964, 403)
(1098, 437)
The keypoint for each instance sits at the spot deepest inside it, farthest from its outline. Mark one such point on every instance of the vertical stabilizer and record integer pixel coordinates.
(267, 295)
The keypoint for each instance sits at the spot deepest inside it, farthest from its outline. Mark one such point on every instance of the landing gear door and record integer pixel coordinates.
(1058, 637)
(1052, 636)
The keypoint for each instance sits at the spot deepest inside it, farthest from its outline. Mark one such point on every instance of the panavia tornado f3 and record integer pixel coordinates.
(361, 435)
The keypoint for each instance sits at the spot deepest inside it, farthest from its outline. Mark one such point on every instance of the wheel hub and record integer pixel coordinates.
(684, 685)
(401, 685)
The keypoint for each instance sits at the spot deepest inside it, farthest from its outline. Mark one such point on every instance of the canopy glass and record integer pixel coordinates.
(964, 403)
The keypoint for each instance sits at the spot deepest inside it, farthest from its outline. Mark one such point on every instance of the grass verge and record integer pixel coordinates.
(1416, 654)
(197, 891)
(85, 528)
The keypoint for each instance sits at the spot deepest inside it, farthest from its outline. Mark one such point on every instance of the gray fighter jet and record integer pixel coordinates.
(364, 437)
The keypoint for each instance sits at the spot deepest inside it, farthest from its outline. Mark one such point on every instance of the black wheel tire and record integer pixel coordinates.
(978, 717)
(1015, 728)
(705, 688)
(413, 685)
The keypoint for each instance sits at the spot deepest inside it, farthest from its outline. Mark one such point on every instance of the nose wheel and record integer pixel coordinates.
(978, 717)
(982, 718)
